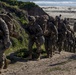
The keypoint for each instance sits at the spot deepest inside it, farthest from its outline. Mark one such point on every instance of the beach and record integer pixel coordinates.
(66, 12)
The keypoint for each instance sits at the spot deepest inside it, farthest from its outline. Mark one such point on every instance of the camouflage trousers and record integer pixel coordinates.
(50, 45)
(39, 41)
(61, 40)
(2, 55)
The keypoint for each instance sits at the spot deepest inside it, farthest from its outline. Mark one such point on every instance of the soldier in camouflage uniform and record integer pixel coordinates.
(61, 33)
(66, 22)
(4, 43)
(50, 34)
(70, 38)
(70, 41)
(35, 36)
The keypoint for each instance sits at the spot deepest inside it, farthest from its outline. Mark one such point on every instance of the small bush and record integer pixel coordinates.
(22, 53)
(25, 53)
(14, 41)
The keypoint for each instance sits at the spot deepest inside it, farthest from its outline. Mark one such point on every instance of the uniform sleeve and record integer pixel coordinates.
(39, 30)
(4, 28)
(64, 27)
(53, 28)
(27, 30)
(56, 31)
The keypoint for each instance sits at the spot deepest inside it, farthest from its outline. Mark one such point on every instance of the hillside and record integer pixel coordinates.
(30, 7)
(20, 11)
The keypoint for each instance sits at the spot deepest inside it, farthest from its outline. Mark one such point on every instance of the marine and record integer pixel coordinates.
(51, 35)
(5, 43)
(62, 29)
(35, 33)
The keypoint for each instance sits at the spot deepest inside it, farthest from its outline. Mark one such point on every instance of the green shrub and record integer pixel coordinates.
(27, 5)
(14, 41)
(22, 53)
(20, 4)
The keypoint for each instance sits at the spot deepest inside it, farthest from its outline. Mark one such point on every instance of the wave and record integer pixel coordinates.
(56, 2)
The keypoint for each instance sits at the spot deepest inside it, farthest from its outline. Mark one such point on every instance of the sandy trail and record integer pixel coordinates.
(59, 64)
(67, 12)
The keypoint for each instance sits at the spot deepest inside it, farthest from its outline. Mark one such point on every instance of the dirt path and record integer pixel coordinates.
(59, 64)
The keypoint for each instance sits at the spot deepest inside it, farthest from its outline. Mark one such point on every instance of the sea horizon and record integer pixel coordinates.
(44, 3)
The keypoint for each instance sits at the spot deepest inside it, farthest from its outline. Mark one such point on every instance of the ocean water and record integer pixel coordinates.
(47, 3)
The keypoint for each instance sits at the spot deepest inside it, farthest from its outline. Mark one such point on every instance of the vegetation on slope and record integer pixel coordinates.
(19, 39)
(20, 11)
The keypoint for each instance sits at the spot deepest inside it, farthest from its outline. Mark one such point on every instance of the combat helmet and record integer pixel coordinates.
(31, 18)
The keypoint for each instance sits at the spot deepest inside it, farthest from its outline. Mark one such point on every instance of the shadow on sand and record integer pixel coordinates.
(69, 59)
(22, 56)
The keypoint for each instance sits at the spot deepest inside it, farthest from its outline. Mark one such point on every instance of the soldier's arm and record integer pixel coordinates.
(53, 28)
(4, 28)
(40, 31)
(27, 30)
(56, 31)
(64, 27)
(5, 32)
(68, 27)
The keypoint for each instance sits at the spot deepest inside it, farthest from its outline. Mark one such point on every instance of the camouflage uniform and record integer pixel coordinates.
(4, 42)
(69, 42)
(74, 28)
(61, 34)
(9, 22)
(49, 29)
(65, 21)
(42, 21)
(35, 36)
(50, 34)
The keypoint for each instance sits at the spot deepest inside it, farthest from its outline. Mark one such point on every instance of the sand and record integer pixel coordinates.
(67, 12)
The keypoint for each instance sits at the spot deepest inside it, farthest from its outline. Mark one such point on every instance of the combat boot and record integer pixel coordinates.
(39, 56)
(6, 62)
(48, 56)
(29, 57)
(1, 65)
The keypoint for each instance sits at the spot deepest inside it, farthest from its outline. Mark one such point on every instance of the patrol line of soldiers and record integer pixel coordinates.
(54, 33)
(5, 42)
